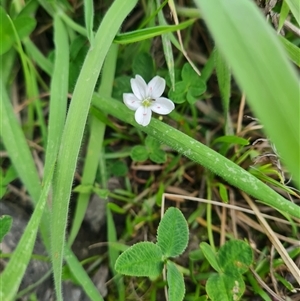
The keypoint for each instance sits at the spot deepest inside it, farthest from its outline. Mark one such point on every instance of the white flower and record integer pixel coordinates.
(147, 98)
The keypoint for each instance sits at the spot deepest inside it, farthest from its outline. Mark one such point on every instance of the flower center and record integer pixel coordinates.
(147, 102)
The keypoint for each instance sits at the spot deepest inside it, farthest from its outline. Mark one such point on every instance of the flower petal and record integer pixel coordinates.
(156, 87)
(139, 87)
(162, 106)
(131, 101)
(143, 115)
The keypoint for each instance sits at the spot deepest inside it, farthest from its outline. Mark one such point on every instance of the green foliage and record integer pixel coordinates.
(175, 282)
(141, 259)
(143, 65)
(147, 33)
(5, 178)
(172, 233)
(22, 26)
(242, 49)
(118, 169)
(232, 260)
(53, 127)
(147, 259)
(5, 225)
(151, 150)
(190, 88)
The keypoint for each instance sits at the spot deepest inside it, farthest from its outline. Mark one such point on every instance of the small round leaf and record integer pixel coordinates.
(235, 257)
(139, 153)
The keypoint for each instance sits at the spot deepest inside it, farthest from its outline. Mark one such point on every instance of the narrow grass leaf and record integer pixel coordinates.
(95, 143)
(16, 267)
(167, 46)
(262, 70)
(292, 50)
(284, 12)
(89, 19)
(35, 54)
(200, 153)
(210, 255)
(224, 80)
(81, 276)
(74, 128)
(148, 33)
(58, 93)
(294, 6)
(14, 141)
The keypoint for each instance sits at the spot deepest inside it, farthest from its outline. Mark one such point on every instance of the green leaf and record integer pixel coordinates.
(81, 276)
(78, 50)
(197, 89)
(223, 192)
(158, 156)
(223, 287)
(115, 208)
(175, 282)
(6, 32)
(261, 68)
(151, 143)
(141, 259)
(143, 65)
(121, 85)
(89, 19)
(235, 257)
(15, 269)
(5, 225)
(83, 188)
(139, 153)
(201, 154)
(119, 169)
(284, 12)
(178, 95)
(210, 255)
(224, 80)
(102, 193)
(190, 98)
(148, 33)
(295, 9)
(74, 130)
(172, 233)
(24, 26)
(235, 140)
(188, 74)
(292, 50)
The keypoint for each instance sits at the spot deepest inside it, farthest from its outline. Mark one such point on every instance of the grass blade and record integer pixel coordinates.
(261, 68)
(203, 155)
(14, 141)
(59, 91)
(74, 128)
(16, 267)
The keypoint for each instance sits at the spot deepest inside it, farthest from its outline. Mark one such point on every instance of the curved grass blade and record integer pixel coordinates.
(148, 33)
(262, 69)
(74, 128)
(16, 267)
